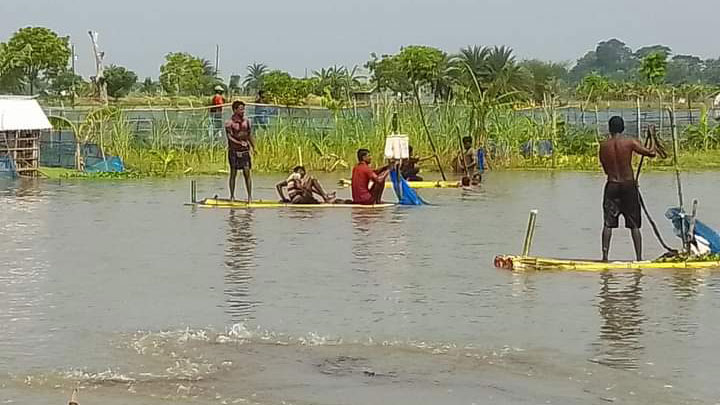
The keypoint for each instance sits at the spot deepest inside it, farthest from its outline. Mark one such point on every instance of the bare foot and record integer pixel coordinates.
(330, 198)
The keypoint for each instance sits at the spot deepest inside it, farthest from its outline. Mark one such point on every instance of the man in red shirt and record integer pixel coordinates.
(362, 175)
(216, 110)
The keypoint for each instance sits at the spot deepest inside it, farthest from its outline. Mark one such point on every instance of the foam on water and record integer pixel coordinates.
(256, 365)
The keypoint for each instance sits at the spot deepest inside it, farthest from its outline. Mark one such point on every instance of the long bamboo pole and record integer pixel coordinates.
(427, 132)
(676, 147)
(637, 112)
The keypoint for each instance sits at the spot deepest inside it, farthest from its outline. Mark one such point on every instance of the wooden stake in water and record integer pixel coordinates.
(529, 233)
(693, 221)
(193, 191)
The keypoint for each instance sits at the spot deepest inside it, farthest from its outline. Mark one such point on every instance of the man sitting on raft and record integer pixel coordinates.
(301, 187)
(621, 196)
(363, 191)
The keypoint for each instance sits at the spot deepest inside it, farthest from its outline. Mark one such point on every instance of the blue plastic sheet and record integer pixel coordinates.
(7, 167)
(406, 195)
(111, 164)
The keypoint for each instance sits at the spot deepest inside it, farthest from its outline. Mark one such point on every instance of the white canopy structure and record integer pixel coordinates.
(21, 121)
(22, 114)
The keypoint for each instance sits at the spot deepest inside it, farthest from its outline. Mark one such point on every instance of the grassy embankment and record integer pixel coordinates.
(177, 146)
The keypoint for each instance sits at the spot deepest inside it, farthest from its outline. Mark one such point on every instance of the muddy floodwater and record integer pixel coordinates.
(118, 289)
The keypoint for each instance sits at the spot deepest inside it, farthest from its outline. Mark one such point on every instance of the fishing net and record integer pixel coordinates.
(405, 194)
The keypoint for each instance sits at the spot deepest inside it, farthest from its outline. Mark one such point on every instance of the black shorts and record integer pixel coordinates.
(239, 160)
(621, 198)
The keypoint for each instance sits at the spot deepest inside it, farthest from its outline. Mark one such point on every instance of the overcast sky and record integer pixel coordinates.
(296, 35)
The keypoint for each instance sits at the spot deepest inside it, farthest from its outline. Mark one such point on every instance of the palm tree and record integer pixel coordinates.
(208, 68)
(253, 79)
(495, 70)
(337, 82)
(469, 67)
(504, 73)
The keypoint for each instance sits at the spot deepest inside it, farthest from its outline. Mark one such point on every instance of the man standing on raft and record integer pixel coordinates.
(362, 174)
(241, 146)
(621, 195)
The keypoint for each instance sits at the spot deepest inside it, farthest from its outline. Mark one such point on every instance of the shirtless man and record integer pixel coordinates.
(241, 146)
(621, 194)
(301, 188)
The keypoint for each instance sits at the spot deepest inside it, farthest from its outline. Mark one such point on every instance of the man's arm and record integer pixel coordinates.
(281, 193)
(640, 149)
(230, 137)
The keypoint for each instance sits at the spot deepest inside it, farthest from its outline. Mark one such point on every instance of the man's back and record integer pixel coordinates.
(616, 158)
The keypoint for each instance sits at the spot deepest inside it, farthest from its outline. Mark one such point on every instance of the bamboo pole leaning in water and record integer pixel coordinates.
(529, 233)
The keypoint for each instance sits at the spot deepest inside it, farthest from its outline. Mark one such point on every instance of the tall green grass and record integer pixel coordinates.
(187, 144)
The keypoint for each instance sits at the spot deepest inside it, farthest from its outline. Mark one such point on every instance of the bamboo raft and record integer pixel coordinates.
(225, 203)
(522, 263)
(415, 184)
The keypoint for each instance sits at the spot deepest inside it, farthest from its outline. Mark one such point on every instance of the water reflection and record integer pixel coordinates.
(19, 187)
(686, 285)
(622, 320)
(240, 263)
(370, 236)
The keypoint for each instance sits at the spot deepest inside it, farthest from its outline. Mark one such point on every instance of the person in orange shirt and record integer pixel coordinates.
(216, 117)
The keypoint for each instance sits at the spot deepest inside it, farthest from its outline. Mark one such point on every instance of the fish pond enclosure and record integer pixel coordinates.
(188, 139)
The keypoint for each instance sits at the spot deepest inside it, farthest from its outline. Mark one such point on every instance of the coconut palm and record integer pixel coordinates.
(253, 79)
(494, 70)
(504, 73)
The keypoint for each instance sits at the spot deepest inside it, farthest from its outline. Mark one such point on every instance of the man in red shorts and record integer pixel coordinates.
(362, 192)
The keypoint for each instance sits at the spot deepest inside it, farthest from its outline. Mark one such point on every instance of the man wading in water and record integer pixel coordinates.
(621, 194)
(241, 146)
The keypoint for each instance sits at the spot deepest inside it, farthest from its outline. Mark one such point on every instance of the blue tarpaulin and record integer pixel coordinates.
(405, 194)
(7, 167)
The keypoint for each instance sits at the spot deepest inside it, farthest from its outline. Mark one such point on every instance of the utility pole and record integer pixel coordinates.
(72, 64)
(217, 59)
(100, 84)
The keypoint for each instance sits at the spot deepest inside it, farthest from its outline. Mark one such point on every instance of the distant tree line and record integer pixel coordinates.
(37, 60)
